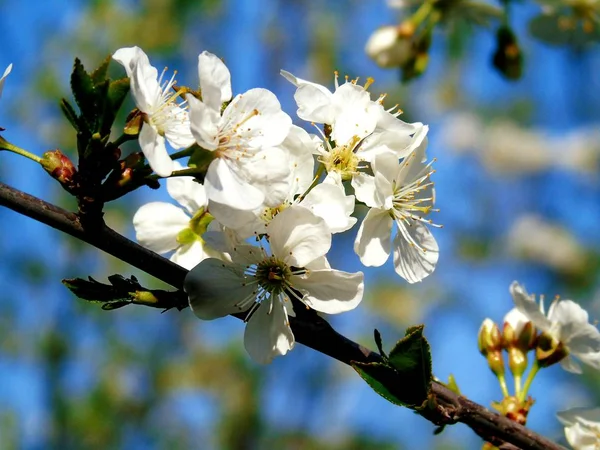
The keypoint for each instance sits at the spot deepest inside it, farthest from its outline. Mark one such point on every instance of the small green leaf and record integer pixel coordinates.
(99, 74)
(114, 305)
(411, 357)
(384, 380)
(405, 376)
(69, 113)
(379, 343)
(117, 92)
(84, 93)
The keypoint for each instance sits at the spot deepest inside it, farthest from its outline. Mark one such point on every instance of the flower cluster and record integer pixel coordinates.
(555, 336)
(261, 197)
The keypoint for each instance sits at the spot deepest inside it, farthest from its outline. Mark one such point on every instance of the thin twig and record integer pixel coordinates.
(316, 333)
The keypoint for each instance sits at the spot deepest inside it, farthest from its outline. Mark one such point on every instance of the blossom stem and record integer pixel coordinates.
(192, 171)
(532, 373)
(502, 381)
(320, 171)
(518, 385)
(421, 14)
(123, 138)
(5, 145)
(185, 152)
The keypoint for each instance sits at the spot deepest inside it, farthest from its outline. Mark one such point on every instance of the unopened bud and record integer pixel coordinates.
(518, 331)
(517, 361)
(388, 48)
(549, 350)
(60, 167)
(489, 338)
(496, 363)
(508, 58)
(133, 123)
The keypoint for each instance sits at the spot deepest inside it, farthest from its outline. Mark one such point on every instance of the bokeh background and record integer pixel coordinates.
(517, 183)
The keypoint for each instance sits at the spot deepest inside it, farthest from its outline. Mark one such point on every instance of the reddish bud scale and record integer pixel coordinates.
(61, 168)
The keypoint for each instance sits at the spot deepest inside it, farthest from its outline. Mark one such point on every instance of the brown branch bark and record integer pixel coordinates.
(316, 333)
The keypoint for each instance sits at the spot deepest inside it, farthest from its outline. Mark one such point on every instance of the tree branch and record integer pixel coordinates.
(316, 333)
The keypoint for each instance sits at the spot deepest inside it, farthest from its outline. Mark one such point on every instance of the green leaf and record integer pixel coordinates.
(84, 93)
(411, 357)
(379, 343)
(69, 113)
(95, 291)
(404, 378)
(384, 380)
(117, 92)
(99, 75)
(114, 305)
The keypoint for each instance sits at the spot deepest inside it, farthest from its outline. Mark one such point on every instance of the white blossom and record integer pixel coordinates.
(567, 323)
(402, 193)
(262, 282)
(244, 134)
(163, 227)
(582, 427)
(164, 118)
(360, 128)
(327, 199)
(6, 72)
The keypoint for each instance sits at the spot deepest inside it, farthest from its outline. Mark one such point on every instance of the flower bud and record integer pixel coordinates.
(518, 331)
(133, 123)
(489, 338)
(390, 46)
(496, 363)
(517, 361)
(549, 350)
(60, 167)
(508, 58)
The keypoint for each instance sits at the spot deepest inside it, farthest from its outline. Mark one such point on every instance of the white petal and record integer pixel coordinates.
(204, 123)
(128, 57)
(298, 237)
(583, 342)
(411, 262)
(582, 438)
(244, 222)
(188, 192)
(157, 225)
(373, 241)
(189, 255)
(354, 113)
(570, 365)
(144, 85)
(527, 305)
(330, 202)
(215, 80)
(256, 119)
(268, 333)
(269, 172)
(517, 320)
(364, 189)
(6, 72)
(301, 147)
(177, 131)
(314, 103)
(215, 288)
(153, 146)
(330, 291)
(224, 185)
